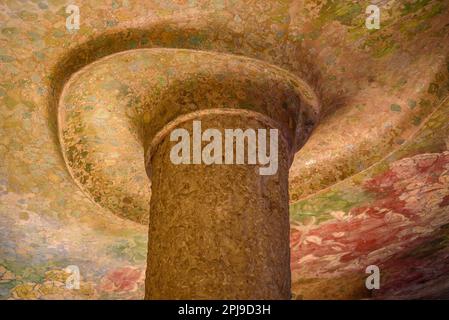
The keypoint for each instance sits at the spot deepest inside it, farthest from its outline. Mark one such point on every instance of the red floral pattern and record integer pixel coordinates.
(411, 202)
(121, 280)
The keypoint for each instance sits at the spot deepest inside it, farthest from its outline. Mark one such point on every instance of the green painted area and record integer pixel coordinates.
(395, 108)
(411, 104)
(134, 249)
(410, 7)
(322, 205)
(6, 58)
(9, 31)
(348, 13)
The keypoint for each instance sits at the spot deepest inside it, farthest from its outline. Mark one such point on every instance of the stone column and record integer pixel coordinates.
(218, 231)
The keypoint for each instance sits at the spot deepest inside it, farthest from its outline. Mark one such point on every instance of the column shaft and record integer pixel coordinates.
(218, 231)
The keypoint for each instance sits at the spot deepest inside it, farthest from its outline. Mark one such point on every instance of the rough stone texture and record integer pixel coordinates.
(218, 231)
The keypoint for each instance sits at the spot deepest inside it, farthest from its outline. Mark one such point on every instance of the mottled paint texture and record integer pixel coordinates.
(369, 186)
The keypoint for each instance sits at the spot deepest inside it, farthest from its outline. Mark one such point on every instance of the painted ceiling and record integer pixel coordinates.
(370, 186)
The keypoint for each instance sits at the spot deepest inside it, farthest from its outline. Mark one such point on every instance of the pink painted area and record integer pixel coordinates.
(411, 202)
(121, 280)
